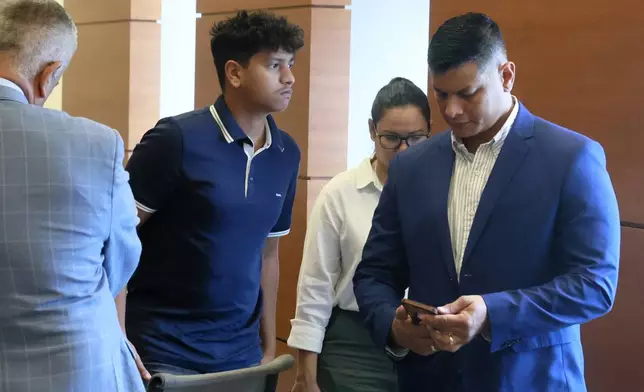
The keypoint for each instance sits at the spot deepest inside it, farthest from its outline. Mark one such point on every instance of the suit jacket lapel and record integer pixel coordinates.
(512, 155)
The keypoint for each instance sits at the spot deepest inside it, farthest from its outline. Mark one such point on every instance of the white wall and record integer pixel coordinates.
(178, 23)
(388, 39)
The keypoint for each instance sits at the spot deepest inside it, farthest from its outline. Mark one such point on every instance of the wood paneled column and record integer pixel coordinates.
(115, 76)
(317, 117)
(576, 66)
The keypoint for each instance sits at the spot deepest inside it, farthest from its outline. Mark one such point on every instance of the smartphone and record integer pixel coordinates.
(414, 308)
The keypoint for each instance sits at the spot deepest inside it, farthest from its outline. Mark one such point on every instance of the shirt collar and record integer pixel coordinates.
(12, 91)
(366, 175)
(498, 139)
(10, 84)
(232, 132)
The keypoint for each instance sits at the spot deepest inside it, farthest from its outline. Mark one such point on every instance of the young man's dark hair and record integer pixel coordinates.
(471, 37)
(248, 33)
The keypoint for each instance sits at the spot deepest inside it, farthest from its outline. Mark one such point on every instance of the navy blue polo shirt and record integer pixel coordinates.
(195, 299)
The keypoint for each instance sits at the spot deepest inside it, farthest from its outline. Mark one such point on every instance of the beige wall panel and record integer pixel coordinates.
(114, 77)
(329, 92)
(223, 6)
(145, 79)
(91, 11)
(286, 379)
(97, 83)
(290, 260)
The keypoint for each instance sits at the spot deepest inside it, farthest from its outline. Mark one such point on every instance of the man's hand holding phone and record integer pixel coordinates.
(405, 333)
(457, 323)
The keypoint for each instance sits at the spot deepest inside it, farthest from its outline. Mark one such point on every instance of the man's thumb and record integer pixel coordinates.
(401, 314)
(454, 307)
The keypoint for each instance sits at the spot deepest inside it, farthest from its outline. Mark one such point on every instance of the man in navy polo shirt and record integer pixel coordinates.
(215, 189)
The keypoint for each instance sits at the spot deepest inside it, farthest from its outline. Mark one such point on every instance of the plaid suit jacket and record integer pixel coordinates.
(68, 245)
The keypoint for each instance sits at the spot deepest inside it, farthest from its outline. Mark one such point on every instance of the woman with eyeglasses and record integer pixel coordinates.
(335, 350)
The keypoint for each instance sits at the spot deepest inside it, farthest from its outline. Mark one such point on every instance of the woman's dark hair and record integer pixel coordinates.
(246, 34)
(400, 92)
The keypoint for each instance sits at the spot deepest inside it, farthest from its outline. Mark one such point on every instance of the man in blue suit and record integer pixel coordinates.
(508, 223)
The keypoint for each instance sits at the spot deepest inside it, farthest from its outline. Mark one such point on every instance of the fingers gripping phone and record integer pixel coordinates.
(414, 308)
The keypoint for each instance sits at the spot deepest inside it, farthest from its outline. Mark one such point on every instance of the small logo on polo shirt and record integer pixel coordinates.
(278, 194)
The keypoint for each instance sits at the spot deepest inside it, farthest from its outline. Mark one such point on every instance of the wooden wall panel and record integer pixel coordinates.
(290, 259)
(145, 9)
(90, 89)
(329, 92)
(613, 344)
(92, 11)
(115, 76)
(144, 79)
(314, 186)
(576, 66)
(221, 7)
(286, 379)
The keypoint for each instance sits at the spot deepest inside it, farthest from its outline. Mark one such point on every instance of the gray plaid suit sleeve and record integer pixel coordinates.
(122, 248)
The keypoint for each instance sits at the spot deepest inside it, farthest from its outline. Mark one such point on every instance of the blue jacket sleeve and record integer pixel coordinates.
(586, 247)
(381, 277)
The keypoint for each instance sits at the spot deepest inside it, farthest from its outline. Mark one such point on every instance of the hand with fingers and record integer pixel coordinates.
(457, 323)
(406, 334)
(139, 364)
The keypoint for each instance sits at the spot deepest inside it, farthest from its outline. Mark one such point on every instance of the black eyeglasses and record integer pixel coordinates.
(392, 141)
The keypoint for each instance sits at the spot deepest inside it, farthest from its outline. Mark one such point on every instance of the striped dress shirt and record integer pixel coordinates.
(469, 177)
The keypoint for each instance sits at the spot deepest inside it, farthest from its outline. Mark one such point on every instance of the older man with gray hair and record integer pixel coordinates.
(68, 241)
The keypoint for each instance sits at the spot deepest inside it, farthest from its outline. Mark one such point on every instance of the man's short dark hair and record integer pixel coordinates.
(472, 37)
(400, 92)
(246, 34)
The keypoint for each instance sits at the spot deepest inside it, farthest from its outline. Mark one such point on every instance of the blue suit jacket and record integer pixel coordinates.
(543, 251)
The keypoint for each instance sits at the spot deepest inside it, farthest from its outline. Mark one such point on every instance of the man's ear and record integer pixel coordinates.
(508, 75)
(45, 81)
(234, 73)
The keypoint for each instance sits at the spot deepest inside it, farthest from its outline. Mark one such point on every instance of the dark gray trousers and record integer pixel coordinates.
(350, 361)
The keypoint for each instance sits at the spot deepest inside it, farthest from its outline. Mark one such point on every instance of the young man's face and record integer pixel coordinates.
(268, 80)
